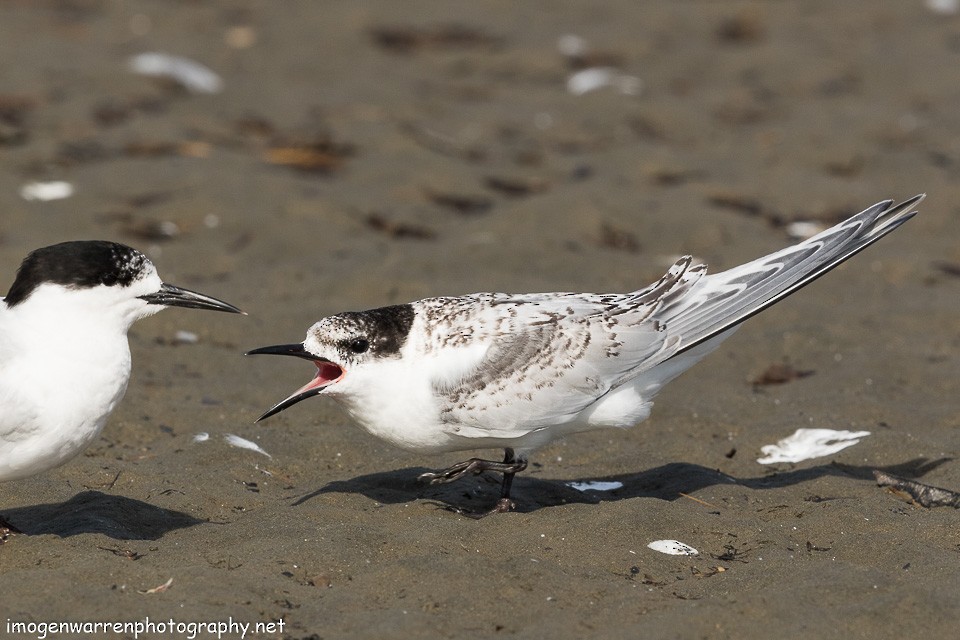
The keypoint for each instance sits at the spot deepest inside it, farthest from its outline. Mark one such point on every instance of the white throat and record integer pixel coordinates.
(64, 366)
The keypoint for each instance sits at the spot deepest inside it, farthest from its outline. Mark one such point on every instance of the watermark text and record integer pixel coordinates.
(220, 629)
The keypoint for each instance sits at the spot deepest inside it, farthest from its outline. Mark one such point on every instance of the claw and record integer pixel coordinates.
(511, 464)
(457, 471)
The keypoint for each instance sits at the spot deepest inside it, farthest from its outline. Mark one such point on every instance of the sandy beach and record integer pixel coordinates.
(341, 156)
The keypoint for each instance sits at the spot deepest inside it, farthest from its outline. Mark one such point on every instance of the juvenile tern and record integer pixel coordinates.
(517, 371)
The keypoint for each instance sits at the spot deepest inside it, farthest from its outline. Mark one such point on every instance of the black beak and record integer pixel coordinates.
(309, 390)
(289, 402)
(171, 296)
(295, 350)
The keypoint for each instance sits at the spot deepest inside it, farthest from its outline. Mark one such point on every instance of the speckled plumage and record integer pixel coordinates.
(520, 370)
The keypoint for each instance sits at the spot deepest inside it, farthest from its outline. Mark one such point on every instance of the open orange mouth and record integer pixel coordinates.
(328, 373)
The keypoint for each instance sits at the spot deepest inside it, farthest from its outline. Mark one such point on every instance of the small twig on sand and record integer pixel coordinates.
(703, 502)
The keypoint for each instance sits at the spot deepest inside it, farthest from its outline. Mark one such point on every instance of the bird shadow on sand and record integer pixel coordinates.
(667, 482)
(116, 517)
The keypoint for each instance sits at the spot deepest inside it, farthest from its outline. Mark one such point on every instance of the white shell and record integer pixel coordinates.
(673, 548)
(806, 444)
(595, 485)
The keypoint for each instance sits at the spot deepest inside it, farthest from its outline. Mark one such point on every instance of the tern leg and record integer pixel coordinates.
(511, 465)
(476, 466)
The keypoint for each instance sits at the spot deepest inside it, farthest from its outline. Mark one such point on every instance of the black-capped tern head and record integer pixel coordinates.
(106, 277)
(341, 345)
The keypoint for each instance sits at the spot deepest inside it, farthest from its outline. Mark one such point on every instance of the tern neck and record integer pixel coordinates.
(74, 342)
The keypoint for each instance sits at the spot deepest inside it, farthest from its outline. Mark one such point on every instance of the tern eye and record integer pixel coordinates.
(359, 345)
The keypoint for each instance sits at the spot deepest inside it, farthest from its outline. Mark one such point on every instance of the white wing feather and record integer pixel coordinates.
(529, 362)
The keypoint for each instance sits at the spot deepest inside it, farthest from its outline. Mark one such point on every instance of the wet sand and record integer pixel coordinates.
(366, 154)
